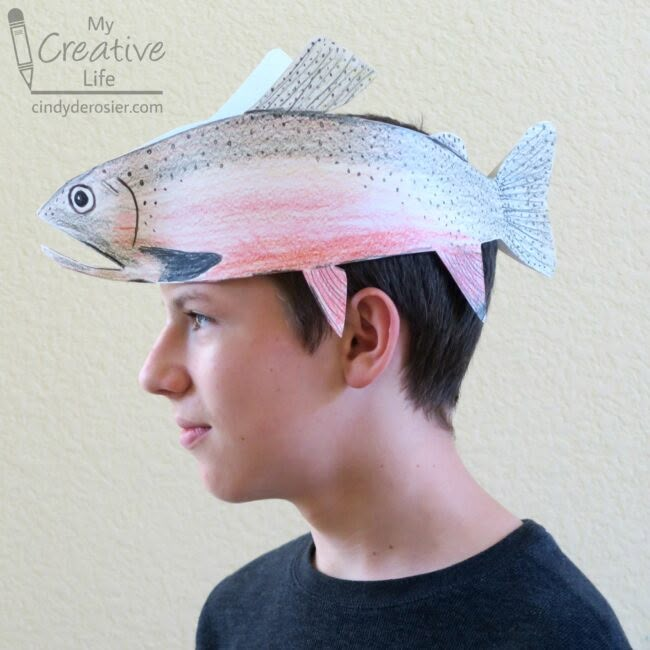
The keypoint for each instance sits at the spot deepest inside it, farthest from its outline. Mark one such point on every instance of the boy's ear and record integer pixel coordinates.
(370, 337)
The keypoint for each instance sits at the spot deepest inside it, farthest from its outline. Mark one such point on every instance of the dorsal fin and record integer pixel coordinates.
(325, 76)
(452, 142)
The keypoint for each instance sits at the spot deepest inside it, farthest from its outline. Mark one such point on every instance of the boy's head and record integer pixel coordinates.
(292, 406)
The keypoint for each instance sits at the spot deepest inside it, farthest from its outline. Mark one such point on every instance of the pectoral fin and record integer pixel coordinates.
(329, 284)
(180, 266)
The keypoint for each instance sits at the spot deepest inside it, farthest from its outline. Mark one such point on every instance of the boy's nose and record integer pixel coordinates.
(162, 373)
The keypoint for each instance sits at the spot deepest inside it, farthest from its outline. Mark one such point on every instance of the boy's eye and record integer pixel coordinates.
(196, 317)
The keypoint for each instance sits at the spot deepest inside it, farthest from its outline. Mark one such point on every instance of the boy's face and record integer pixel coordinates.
(245, 374)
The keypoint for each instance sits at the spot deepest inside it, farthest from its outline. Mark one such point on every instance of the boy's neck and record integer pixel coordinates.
(404, 517)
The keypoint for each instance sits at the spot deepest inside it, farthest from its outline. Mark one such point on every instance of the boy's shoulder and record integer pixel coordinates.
(567, 608)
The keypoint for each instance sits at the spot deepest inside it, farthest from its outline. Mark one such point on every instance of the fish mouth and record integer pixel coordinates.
(101, 252)
(101, 272)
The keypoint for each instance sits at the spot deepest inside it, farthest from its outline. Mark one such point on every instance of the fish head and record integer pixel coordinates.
(99, 209)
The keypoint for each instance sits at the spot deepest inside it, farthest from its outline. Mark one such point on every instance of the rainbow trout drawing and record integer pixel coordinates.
(286, 185)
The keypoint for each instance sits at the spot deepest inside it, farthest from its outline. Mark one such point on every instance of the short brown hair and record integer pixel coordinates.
(444, 329)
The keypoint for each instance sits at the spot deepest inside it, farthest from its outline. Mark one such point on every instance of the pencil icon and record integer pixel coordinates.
(21, 45)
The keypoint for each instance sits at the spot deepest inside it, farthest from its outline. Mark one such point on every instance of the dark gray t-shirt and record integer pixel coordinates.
(521, 593)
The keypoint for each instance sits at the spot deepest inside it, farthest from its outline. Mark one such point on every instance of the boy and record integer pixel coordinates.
(405, 548)
(332, 385)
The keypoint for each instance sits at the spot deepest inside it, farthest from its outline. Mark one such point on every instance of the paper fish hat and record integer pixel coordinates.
(273, 182)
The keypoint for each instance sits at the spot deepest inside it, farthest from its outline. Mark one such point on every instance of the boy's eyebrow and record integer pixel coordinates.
(179, 301)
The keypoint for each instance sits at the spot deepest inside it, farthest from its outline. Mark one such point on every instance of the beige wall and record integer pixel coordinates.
(109, 538)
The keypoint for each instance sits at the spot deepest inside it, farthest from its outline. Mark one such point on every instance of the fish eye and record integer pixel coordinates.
(81, 199)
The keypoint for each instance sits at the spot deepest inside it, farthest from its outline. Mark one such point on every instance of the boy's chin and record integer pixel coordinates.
(237, 491)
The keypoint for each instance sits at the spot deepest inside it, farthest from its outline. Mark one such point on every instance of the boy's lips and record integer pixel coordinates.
(187, 424)
(191, 437)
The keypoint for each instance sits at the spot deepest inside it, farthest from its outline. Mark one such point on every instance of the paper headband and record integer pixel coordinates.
(273, 182)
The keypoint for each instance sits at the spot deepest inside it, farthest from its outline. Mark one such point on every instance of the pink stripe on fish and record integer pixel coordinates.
(296, 252)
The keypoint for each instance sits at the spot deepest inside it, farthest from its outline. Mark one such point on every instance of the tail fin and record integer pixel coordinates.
(522, 181)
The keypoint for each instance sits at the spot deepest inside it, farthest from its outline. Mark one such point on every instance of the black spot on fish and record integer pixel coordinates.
(173, 146)
(128, 173)
(229, 143)
(148, 150)
(146, 166)
(180, 266)
(188, 136)
(141, 182)
(145, 203)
